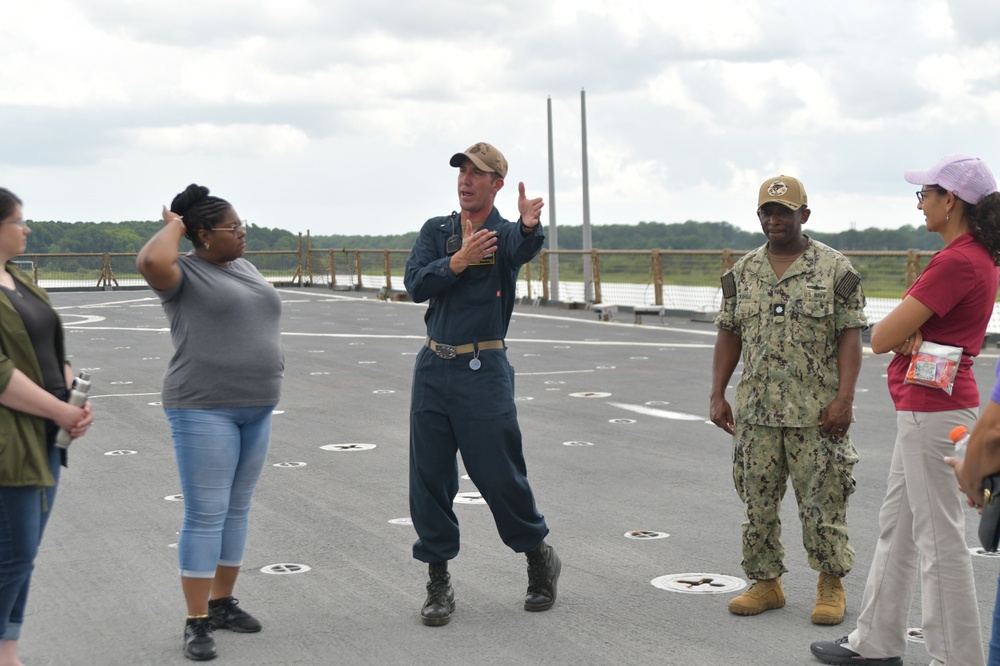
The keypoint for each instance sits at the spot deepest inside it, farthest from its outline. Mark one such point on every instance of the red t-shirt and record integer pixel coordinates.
(960, 285)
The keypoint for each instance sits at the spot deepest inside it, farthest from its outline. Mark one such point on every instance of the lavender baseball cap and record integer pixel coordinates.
(968, 177)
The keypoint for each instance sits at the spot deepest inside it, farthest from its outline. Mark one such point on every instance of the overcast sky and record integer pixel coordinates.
(340, 116)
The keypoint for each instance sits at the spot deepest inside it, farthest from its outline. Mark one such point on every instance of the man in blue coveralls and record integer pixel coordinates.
(463, 388)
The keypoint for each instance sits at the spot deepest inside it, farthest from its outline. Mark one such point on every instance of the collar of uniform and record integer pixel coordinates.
(761, 266)
(492, 222)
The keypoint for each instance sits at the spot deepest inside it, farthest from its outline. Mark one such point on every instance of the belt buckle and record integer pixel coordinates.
(446, 352)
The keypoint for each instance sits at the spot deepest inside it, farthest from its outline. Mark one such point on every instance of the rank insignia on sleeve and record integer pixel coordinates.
(847, 285)
(728, 285)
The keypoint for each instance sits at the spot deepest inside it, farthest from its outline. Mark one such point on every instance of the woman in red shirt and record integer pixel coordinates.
(922, 520)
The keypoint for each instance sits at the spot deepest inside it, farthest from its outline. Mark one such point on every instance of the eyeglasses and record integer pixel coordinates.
(19, 222)
(235, 229)
(921, 194)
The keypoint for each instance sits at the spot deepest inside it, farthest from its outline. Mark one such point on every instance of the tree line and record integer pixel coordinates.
(129, 237)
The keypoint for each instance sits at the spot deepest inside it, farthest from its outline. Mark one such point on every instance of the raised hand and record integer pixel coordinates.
(530, 209)
(169, 217)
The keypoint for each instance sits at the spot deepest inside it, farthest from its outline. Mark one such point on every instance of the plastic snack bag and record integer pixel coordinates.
(935, 366)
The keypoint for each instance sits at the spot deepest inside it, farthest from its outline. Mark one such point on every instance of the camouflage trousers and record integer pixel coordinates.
(820, 467)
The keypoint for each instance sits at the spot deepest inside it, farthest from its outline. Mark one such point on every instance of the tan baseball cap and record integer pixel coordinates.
(787, 191)
(485, 157)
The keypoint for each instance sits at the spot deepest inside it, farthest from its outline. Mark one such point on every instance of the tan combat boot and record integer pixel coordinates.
(831, 600)
(763, 595)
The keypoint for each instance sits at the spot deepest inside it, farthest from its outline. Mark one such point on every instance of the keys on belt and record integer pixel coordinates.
(449, 352)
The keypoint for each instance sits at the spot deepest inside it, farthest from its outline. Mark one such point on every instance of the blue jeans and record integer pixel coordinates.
(23, 515)
(220, 454)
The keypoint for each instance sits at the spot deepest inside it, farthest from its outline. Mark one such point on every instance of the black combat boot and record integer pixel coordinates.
(543, 572)
(440, 602)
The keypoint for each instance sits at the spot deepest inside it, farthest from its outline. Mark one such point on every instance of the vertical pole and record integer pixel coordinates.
(596, 263)
(553, 232)
(544, 263)
(298, 271)
(657, 260)
(588, 270)
(309, 257)
(912, 267)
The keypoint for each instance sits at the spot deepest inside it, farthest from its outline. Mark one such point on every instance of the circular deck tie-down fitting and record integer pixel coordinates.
(699, 583)
(645, 535)
(979, 551)
(348, 447)
(285, 568)
(469, 498)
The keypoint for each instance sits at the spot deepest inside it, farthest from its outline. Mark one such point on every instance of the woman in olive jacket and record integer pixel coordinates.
(34, 376)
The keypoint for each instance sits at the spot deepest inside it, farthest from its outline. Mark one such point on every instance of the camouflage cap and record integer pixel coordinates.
(485, 157)
(787, 191)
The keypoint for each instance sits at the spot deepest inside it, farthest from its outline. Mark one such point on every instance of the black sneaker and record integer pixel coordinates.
(840, 652)
(225, 613)
(199, 644)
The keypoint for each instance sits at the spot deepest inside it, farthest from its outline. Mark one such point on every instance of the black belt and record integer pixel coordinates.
(451, 351)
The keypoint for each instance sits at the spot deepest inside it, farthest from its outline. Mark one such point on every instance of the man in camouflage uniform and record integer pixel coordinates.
(794, 310)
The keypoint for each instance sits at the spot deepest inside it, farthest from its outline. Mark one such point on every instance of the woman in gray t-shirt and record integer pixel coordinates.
(218, 392)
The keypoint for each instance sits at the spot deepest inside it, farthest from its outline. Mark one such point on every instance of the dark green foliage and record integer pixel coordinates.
(129, 237)
(52, 237)
(337, 242)
(692, 235)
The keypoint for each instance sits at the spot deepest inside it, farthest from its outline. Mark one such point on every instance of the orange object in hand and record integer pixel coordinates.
(935, 366)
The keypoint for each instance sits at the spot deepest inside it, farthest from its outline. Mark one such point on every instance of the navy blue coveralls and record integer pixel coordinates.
(455, 408)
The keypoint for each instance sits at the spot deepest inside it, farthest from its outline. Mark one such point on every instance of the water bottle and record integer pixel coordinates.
(77, 396)
(959, 435)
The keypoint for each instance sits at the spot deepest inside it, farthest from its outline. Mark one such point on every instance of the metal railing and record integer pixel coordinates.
(682, 279)
(117, 270)
(356, 269)
(617, 273)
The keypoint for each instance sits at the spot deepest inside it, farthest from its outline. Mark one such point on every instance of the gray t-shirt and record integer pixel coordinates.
(225, 323)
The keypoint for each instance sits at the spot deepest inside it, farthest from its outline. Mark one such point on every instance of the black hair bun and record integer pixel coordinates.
(188, 198)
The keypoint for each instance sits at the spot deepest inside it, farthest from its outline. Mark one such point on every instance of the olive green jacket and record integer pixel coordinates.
(23, 449)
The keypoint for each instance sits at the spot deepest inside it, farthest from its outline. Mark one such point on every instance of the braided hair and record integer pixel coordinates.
(8, 202)
(198, 210)
(984, 221)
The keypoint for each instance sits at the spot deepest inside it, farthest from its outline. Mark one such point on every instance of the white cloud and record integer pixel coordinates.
(349, 110)
(229, 140)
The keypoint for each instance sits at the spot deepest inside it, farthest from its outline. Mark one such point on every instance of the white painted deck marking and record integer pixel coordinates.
(659, 413)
